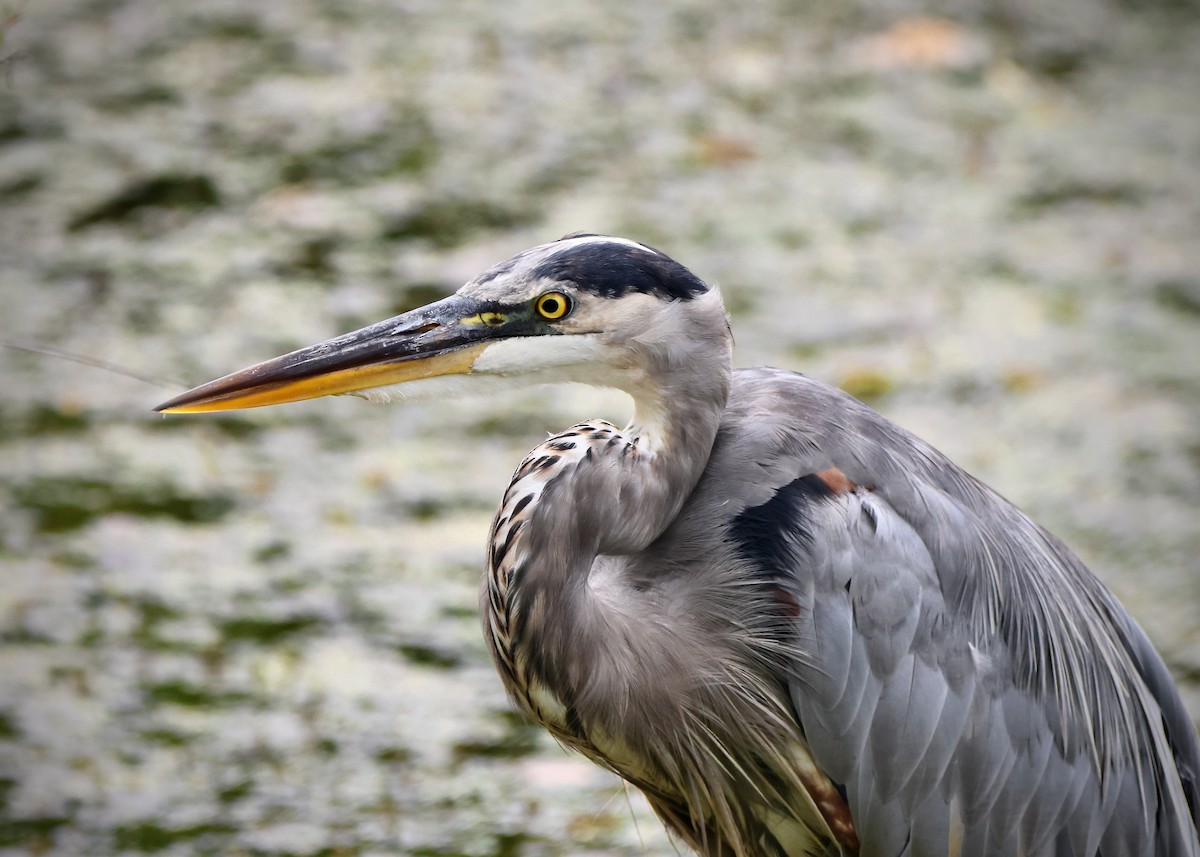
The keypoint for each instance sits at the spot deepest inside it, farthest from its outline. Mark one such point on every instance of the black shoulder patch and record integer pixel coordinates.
(768, 535)
(614, 269)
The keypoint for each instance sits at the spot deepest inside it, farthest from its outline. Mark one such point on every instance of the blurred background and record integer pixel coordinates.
(256, 634)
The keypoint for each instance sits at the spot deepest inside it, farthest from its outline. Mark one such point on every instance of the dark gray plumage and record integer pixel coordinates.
(799, 629)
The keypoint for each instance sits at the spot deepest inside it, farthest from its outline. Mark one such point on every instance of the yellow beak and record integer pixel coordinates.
(439, 339)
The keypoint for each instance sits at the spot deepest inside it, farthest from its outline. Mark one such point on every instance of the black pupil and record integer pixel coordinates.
(550, 306)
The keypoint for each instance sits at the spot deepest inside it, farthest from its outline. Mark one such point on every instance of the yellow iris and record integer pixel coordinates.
(552, 305)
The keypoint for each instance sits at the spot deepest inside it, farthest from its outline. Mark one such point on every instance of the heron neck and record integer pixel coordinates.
(578, 504)
(671, 434)
(614, 492)
(588, 498)
(679, 392)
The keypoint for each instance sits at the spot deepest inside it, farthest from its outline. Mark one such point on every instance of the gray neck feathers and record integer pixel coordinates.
(611, 494)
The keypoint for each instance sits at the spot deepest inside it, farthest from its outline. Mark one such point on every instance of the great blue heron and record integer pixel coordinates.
(797, 628)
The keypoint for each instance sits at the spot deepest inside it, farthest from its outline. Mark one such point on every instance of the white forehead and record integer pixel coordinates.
(580, 240)
(511, 279)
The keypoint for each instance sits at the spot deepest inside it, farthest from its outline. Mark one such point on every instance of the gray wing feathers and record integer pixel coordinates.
(968, 682)
(1178, 731)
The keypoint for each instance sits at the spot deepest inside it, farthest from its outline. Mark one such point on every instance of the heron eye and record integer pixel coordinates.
(552, 306)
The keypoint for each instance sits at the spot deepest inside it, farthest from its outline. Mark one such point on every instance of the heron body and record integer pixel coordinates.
(796, 627)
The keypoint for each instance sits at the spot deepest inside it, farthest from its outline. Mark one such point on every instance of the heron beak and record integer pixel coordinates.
(443, 338)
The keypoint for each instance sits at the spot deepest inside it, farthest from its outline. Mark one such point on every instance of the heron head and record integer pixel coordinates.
(587, 308)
